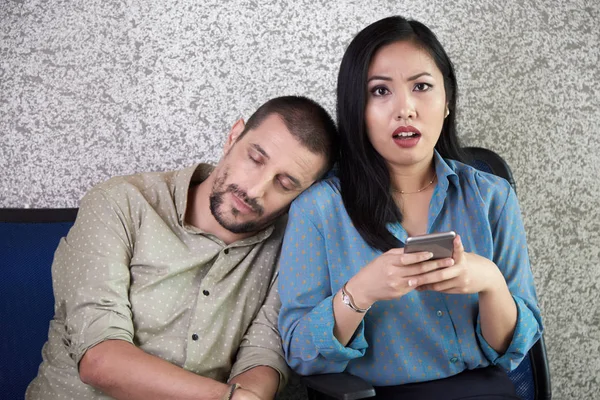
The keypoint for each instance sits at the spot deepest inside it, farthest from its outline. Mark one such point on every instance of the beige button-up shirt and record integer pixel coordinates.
(131, 269)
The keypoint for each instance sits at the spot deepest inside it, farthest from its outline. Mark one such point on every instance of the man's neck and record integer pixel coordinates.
(198, 213)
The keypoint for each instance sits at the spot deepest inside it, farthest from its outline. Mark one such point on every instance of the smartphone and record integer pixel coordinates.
(440, 244)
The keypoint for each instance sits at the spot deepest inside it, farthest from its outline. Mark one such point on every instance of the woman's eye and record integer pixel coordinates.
(380, 91)
(421, 87)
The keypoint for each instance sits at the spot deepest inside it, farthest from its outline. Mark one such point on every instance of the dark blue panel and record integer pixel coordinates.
(26, 299)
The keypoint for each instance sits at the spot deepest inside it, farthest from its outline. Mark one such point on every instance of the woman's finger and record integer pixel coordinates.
(437, 276)
(413, 258)
(459, 250)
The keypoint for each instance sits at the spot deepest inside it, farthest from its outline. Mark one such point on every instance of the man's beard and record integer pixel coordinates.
(216, 202)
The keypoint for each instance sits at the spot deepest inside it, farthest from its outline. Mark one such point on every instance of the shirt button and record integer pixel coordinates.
(439, 313)
(226, 251)
(205, 292)
(454, 360)
(194, 337)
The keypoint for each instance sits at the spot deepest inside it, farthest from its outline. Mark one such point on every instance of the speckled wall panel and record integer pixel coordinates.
(95, 88)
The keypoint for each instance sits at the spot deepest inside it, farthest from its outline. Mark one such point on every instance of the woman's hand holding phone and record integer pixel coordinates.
(392, 275)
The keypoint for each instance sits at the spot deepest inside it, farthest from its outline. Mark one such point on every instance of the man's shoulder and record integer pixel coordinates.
(143, 184)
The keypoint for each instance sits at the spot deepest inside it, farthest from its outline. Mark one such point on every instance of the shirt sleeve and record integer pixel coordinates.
(261, 344)
(306, 319)
(91, 276)
(510, 255)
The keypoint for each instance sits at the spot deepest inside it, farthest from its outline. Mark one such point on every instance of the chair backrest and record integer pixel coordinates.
(532, 377)
(28, 240)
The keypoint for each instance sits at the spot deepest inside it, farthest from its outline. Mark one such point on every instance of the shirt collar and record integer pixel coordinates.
(194, 175)
(444, 172)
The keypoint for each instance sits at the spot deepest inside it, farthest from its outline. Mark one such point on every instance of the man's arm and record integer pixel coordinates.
(123, 371)
(262, 381)
(260, 365)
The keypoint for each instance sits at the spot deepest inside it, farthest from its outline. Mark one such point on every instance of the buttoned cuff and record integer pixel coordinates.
(321, 323)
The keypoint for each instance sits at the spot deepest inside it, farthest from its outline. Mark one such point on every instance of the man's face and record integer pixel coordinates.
(259, 176)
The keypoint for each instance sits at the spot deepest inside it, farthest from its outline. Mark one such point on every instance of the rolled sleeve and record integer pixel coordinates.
(91, 277)
(526, 333)
(261, 344)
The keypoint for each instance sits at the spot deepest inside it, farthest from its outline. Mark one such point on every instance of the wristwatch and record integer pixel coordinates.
(349, 301)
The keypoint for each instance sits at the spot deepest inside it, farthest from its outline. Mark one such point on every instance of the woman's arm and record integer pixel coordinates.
(509, 321)
(306, 318)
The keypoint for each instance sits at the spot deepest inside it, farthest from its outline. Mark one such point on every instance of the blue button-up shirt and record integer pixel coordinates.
(420, 336)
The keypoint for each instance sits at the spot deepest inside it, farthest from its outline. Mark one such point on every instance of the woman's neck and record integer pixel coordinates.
(412, 179)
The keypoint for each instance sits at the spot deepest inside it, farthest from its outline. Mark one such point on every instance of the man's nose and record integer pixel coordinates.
(257, 188)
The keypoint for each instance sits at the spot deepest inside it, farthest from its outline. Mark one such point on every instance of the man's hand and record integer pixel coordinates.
(243, 394)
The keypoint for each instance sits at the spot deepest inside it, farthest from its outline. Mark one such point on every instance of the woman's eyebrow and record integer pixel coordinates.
(387, 78)
(379, 78)
(417, 76)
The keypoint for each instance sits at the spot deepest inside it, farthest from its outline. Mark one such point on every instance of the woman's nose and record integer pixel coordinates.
(405, 108)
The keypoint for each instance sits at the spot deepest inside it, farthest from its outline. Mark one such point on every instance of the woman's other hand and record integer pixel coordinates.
(470, 273)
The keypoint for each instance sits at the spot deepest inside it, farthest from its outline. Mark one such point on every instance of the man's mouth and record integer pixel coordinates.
(241, 205)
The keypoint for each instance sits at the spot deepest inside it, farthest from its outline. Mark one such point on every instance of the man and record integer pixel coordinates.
(166, 287)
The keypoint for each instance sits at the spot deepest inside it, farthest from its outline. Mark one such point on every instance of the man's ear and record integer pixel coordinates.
(234, 134)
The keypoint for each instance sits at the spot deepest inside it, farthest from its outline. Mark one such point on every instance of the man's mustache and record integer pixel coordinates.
(253, 203)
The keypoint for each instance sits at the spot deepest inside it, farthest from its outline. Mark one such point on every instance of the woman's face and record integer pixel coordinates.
(406, 104)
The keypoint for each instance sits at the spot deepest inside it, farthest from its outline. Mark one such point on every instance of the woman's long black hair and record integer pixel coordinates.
(364, 176)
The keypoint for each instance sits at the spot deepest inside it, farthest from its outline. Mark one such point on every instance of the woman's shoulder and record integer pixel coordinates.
(321, 195)
(321, 190)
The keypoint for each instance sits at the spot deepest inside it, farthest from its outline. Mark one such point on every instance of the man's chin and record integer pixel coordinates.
(238, 226)
(243, 227)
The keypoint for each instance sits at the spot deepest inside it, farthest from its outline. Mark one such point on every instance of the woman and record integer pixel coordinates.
(351, 299)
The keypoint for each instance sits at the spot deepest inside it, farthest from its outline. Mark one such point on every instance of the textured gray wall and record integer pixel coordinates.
(95, 88)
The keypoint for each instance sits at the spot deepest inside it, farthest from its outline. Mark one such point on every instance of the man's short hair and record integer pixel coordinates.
(306, 120)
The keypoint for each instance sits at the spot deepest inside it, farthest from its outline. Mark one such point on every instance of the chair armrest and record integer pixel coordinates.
(342, 386)
(541, 370)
